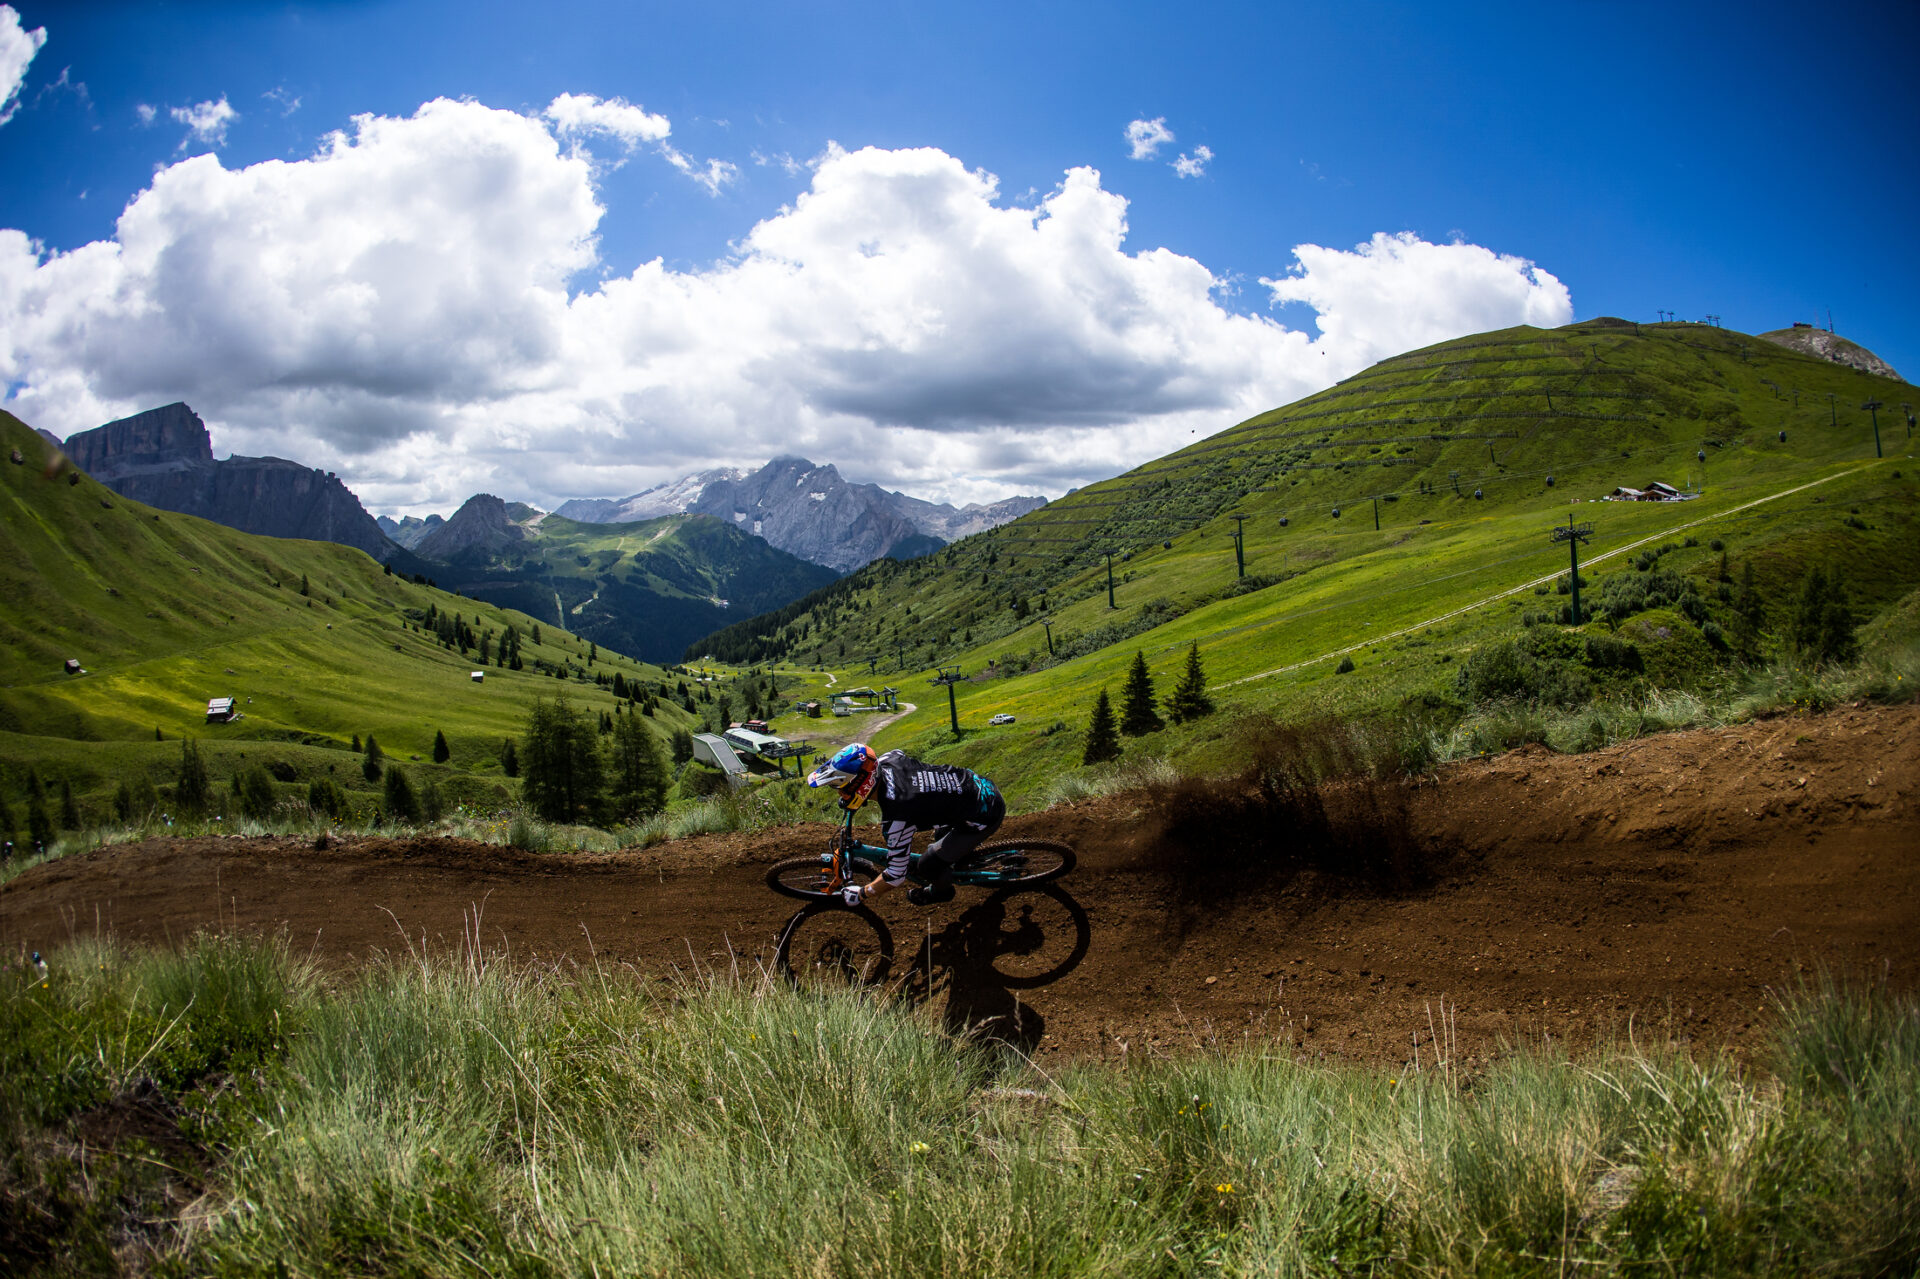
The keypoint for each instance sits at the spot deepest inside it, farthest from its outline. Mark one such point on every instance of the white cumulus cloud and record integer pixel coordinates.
(1145, 137)
(413, 306)
(1398, 292)
(17, 47)
(206, 122)
(1192, 166)
(578, 115)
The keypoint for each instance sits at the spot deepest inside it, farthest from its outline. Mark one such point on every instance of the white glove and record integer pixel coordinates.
(853, 895)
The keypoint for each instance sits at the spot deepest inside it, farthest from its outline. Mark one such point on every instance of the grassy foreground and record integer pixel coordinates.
(221, 1110)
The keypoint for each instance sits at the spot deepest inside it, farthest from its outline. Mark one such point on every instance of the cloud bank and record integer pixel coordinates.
(419, 305)
(17, 47)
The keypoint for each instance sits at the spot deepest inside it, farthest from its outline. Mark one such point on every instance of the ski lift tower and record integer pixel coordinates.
(1574, 534)
(950, 675)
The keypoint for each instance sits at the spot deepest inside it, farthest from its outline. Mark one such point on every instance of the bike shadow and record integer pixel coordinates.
(1015, 939)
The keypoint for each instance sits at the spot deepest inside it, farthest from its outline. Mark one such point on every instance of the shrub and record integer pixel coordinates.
(253, 793)
(401, 803)
(1346, 665)
(325, 797)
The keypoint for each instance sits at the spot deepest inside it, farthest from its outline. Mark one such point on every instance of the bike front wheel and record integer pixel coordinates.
(829, 946)
(1005, 862)
(810, 878)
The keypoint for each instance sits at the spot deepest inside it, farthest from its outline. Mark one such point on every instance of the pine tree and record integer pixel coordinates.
(39, 825)
(565, 774)
(441, 751)
(639, 773)
(192, 792)
(1749, 615)
(1190, 700)
(1103, 740)
(1137, 713)
(7, 820)
(370, 767)
(682, 746)
(509, 758)
(356, 743)
(1822, 628)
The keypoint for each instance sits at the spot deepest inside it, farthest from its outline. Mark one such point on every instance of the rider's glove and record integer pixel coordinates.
(852, 895)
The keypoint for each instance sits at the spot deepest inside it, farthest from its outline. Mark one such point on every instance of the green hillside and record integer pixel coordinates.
(317, 641)
(1427, 483)
(648, 588)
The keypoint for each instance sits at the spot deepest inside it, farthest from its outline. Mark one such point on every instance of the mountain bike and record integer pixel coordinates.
(829, 943)
(998, 863)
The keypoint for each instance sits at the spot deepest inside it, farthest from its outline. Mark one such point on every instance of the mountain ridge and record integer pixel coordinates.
(810, 511)
(164, 457)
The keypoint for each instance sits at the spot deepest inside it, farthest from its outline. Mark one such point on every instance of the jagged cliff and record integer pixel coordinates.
(164, 457)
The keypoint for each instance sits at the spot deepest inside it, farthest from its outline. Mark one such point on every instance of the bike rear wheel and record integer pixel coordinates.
(1005, 862)
(830, 946)
(807, 878)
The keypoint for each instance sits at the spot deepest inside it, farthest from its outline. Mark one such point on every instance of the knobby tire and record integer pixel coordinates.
(805, 960)
(1058, 859)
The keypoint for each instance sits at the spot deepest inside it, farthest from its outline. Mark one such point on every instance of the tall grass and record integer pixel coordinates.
(1745, 694)
(455, 1117)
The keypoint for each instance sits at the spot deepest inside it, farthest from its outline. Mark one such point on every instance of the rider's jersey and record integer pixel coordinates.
(915, 796)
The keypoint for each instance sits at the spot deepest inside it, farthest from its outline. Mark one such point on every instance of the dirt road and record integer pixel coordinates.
(1670, 882)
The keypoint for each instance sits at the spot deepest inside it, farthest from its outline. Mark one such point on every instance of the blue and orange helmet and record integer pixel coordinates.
(851, 771)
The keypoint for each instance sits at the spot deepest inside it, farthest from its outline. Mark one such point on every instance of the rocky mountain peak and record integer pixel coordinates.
(808, 509)
(483, 526)
(171, 437)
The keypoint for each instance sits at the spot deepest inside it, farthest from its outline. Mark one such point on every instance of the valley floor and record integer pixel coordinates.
(1661, 888)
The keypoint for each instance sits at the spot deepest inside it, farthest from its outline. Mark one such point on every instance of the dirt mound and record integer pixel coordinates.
(1669, 883)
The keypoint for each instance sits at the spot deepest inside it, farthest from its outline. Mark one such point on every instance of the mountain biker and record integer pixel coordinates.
(961, 807)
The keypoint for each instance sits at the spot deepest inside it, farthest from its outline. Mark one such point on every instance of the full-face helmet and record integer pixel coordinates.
(851, 771)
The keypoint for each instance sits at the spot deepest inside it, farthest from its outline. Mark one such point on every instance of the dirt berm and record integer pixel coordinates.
(1663, 888)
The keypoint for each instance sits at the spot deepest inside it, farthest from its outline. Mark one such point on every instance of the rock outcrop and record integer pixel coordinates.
(1831, 347)
(164, 457)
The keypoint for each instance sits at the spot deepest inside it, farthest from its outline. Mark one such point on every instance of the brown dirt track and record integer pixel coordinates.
(1671, 883)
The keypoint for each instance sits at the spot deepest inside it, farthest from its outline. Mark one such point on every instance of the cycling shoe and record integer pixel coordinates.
(929, 895)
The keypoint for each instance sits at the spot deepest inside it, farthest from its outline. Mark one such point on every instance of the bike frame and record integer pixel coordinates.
(845, 847)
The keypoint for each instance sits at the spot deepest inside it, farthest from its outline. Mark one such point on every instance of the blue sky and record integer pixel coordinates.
(548, 300)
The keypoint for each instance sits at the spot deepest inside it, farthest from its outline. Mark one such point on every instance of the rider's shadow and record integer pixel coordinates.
(1015, 939)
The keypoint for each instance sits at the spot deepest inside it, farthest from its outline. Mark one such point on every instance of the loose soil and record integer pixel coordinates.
(1662, 889)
